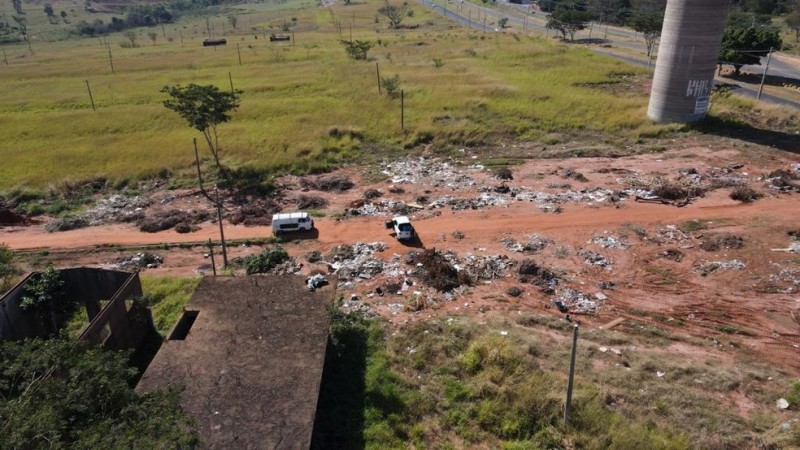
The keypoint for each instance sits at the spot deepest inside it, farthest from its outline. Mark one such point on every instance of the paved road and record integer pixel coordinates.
(486, 19)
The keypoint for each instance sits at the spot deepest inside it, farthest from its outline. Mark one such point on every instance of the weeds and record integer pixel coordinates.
(745, 194)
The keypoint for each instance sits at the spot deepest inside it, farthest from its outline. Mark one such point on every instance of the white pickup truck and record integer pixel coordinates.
(402, 227)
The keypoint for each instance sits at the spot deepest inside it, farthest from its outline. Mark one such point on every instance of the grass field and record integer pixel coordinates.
(489, 86)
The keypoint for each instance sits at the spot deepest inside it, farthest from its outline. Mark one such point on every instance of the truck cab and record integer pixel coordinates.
(402, 227)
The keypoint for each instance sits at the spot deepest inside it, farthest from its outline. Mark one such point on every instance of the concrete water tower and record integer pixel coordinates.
(687, 57)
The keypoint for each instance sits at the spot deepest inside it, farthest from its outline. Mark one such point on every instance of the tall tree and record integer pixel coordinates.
(746, 45)
(64, 394)
(568, 20)
(204, 108)
(395, 13)
(649, 24)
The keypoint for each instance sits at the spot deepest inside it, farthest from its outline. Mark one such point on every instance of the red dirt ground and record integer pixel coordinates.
(650, 289)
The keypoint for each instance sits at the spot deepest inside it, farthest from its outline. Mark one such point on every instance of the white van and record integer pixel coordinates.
(296, 221)
(402, 227)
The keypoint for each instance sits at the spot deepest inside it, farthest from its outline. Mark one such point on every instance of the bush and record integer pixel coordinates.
(745, 194)
(311, 202)
(439, 273)
(66, 224)
(370, 194)
(503, 173)
(265, 261)
(793, 396)
(331, 183)
(391, 85)
(720, 241)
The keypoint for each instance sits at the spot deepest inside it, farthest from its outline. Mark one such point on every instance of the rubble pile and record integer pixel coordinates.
(252, 211)
(534, 244)
(116, 208)
(595, 259)
(328, 183)
(139, 261)
(437, 271)
(357, 261)
(783, 180)
(530, 272)
(458, 204)
(670, 234)
(608, 241)
(485, 267)
(786, 281)
(164, 220)
(704, 268)
(382, 207)
(428, 171)
(578, 302)
(722, 241)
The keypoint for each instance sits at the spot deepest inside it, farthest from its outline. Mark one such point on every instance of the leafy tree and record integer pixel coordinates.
(7, 269)
(65, 394)
(395, 13)
(265, 261)
(48, 10)
(131, 36)
(45, 298)
(153, 36)
(568, 20)
(746, 45)
(357, 49)
(793, 22)
(649, 24)
(503, 22)
(204, 108)
(233, 20)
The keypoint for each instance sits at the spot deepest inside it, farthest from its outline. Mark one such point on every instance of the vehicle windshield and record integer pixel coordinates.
(404, 227)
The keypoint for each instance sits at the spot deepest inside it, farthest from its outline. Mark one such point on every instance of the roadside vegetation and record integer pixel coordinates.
(166, 297)
(450, 382)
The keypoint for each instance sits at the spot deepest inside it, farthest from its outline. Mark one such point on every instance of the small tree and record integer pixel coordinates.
(204, 108)
(233, 20)
(64, 16)
(48, 10)
(503, 22)
(7, 269)
(395, 13)
(131, 36)
(793, 22)
(746, 45)
(45, 298)
(391, 85)
(649, 24)
(357, 49)
(568, 21)
(153, 36)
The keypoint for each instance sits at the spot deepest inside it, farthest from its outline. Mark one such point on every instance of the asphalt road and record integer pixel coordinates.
(486, 19)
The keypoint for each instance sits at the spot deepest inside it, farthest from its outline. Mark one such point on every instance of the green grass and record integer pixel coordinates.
(490, 87)
(166, 298)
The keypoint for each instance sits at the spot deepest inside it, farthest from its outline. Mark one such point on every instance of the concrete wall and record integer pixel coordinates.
(687, 57)
(88, 286)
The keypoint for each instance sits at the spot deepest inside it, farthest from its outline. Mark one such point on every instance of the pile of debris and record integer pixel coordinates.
(437, 271)
(357, 261)
(327, 183)
(704, 268)
(116, 208)
(458, 204)
(253, 211)
(485, 267)
(534, 244)
(670, 234)
(139, 261)
(722, 241)
(431, 172)
(530, 272)
(610, 241)
(595, 259)
(382, 207)
(182, 221)
(576, 302)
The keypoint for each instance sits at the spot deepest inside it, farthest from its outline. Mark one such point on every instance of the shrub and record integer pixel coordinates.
(745, 194)
(66, 224)
(265, 261)
(503, 173)
(439, 273)
(720, 241)
(331, 183)
(793, 396)
(369, 194)
(391, 85)
(311, 202)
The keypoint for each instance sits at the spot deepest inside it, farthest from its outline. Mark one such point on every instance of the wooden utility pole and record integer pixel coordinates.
(180, 33)
(163, 31)
(5, 59)
(402, 112)
(91, 99)
(230, 78)
(211, 255)
(221, 231)
(239, 51)
(568, 405)
(764, 77)
(378, 74)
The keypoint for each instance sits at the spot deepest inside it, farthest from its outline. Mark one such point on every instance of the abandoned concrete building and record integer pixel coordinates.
(249, 352)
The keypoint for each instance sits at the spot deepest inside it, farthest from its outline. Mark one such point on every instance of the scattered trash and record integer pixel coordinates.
(593, 258)
(704, 268)
(316, 281)
(660, 374)
(140, 261)
(782, 403)
(577, 302)
(607, 241)
(534, 244)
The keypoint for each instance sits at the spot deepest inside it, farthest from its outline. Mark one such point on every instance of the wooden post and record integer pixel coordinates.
(5, 59)
(239, 52)
(163, 31)
(568, 405)
(292, 38)
(208, 28)
(221, 232)
(230, 78)
(110, 60)
(378, 74)
(402, 112)
(211, 255)
(181, 35)
(91, 99)
(27, 38)
(223, 29)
